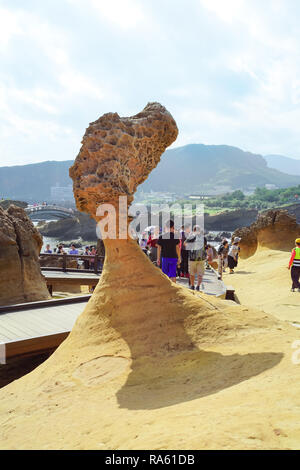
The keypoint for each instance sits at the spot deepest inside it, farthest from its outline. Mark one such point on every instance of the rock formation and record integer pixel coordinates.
(20, 244)
(150, 364)
(118, 154)
(274, 229)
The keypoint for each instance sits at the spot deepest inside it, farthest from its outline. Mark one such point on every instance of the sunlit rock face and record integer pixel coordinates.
(274, 229)
(20, 244)
(117, 155)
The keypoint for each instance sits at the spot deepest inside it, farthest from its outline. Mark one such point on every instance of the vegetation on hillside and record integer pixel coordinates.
(261, 199)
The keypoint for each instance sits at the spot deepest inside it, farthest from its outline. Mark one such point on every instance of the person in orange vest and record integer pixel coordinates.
(295, 265)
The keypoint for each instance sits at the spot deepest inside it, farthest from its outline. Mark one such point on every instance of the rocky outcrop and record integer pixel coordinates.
(5, 203)
(230, 220)
(82, 226)
(274, 229)
(20, 244)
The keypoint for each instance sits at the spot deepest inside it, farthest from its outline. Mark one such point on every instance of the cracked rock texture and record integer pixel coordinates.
(274, 229)
(117, 155)
(20, 243)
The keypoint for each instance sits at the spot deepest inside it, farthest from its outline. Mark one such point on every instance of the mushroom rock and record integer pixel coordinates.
(117, 155)
(20, 275)
(273, 229)
(149, 364)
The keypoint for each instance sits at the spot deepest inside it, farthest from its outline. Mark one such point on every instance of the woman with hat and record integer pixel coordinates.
(295, 265)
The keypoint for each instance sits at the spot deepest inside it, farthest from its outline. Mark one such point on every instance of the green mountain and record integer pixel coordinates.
(197, 167)
(33, 182)
(285, 164)
(188, 169)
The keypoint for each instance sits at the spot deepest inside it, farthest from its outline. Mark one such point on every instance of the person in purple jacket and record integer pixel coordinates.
(168, 248)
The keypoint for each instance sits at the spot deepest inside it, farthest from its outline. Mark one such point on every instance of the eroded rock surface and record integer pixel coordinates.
(117, 155)
(274, 229)
(20, 243)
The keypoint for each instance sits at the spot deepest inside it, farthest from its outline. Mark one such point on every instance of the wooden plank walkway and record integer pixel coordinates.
(71, 277)
(36, 328)
(56, 279)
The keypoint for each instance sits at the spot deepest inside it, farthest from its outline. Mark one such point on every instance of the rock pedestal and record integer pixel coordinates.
(20, 243)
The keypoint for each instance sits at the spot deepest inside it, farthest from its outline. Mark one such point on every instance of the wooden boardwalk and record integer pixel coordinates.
(56, 279)
(71, 277)
(38, 326)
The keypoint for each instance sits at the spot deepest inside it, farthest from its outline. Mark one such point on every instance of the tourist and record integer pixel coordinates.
(93, 252)
(143, 243)
(86, 262)
(209, 254)
(168, 249)
(184, 267)
(295, 265)
(233, 254)
(60, 250)
(152, 244)
(48, 249)
(222, 255)
(197, 255)
(73, 250)
(225, 254)
(101, 253)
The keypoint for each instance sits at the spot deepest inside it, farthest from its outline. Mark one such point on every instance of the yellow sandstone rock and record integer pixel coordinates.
(20, 244)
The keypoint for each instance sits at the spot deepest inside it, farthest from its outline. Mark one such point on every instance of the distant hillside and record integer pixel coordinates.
(188, 169)
(33, 182)
(7, 202)
(285, 164)
(195, 167)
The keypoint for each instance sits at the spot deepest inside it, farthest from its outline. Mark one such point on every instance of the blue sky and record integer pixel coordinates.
(228, 71)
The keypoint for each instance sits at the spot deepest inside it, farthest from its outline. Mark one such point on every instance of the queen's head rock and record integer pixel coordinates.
(117, 155)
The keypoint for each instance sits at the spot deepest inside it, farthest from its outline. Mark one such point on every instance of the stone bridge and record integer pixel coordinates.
(45, 211)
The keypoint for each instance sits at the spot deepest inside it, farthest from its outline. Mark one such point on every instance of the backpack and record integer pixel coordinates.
(220, 249)
(199, 254)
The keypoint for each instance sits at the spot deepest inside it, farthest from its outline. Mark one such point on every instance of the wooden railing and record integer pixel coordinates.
(96, 260)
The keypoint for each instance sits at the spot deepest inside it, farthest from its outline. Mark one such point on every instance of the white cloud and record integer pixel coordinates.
(125, 14)
(9, 26)
(227, 69)
(227, 10)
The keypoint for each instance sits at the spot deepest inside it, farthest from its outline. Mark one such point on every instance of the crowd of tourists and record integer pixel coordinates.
(186, 253)
(181, 253)
(90, 251)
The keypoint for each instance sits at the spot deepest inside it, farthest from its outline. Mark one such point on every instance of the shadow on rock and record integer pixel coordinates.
(179, 378)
